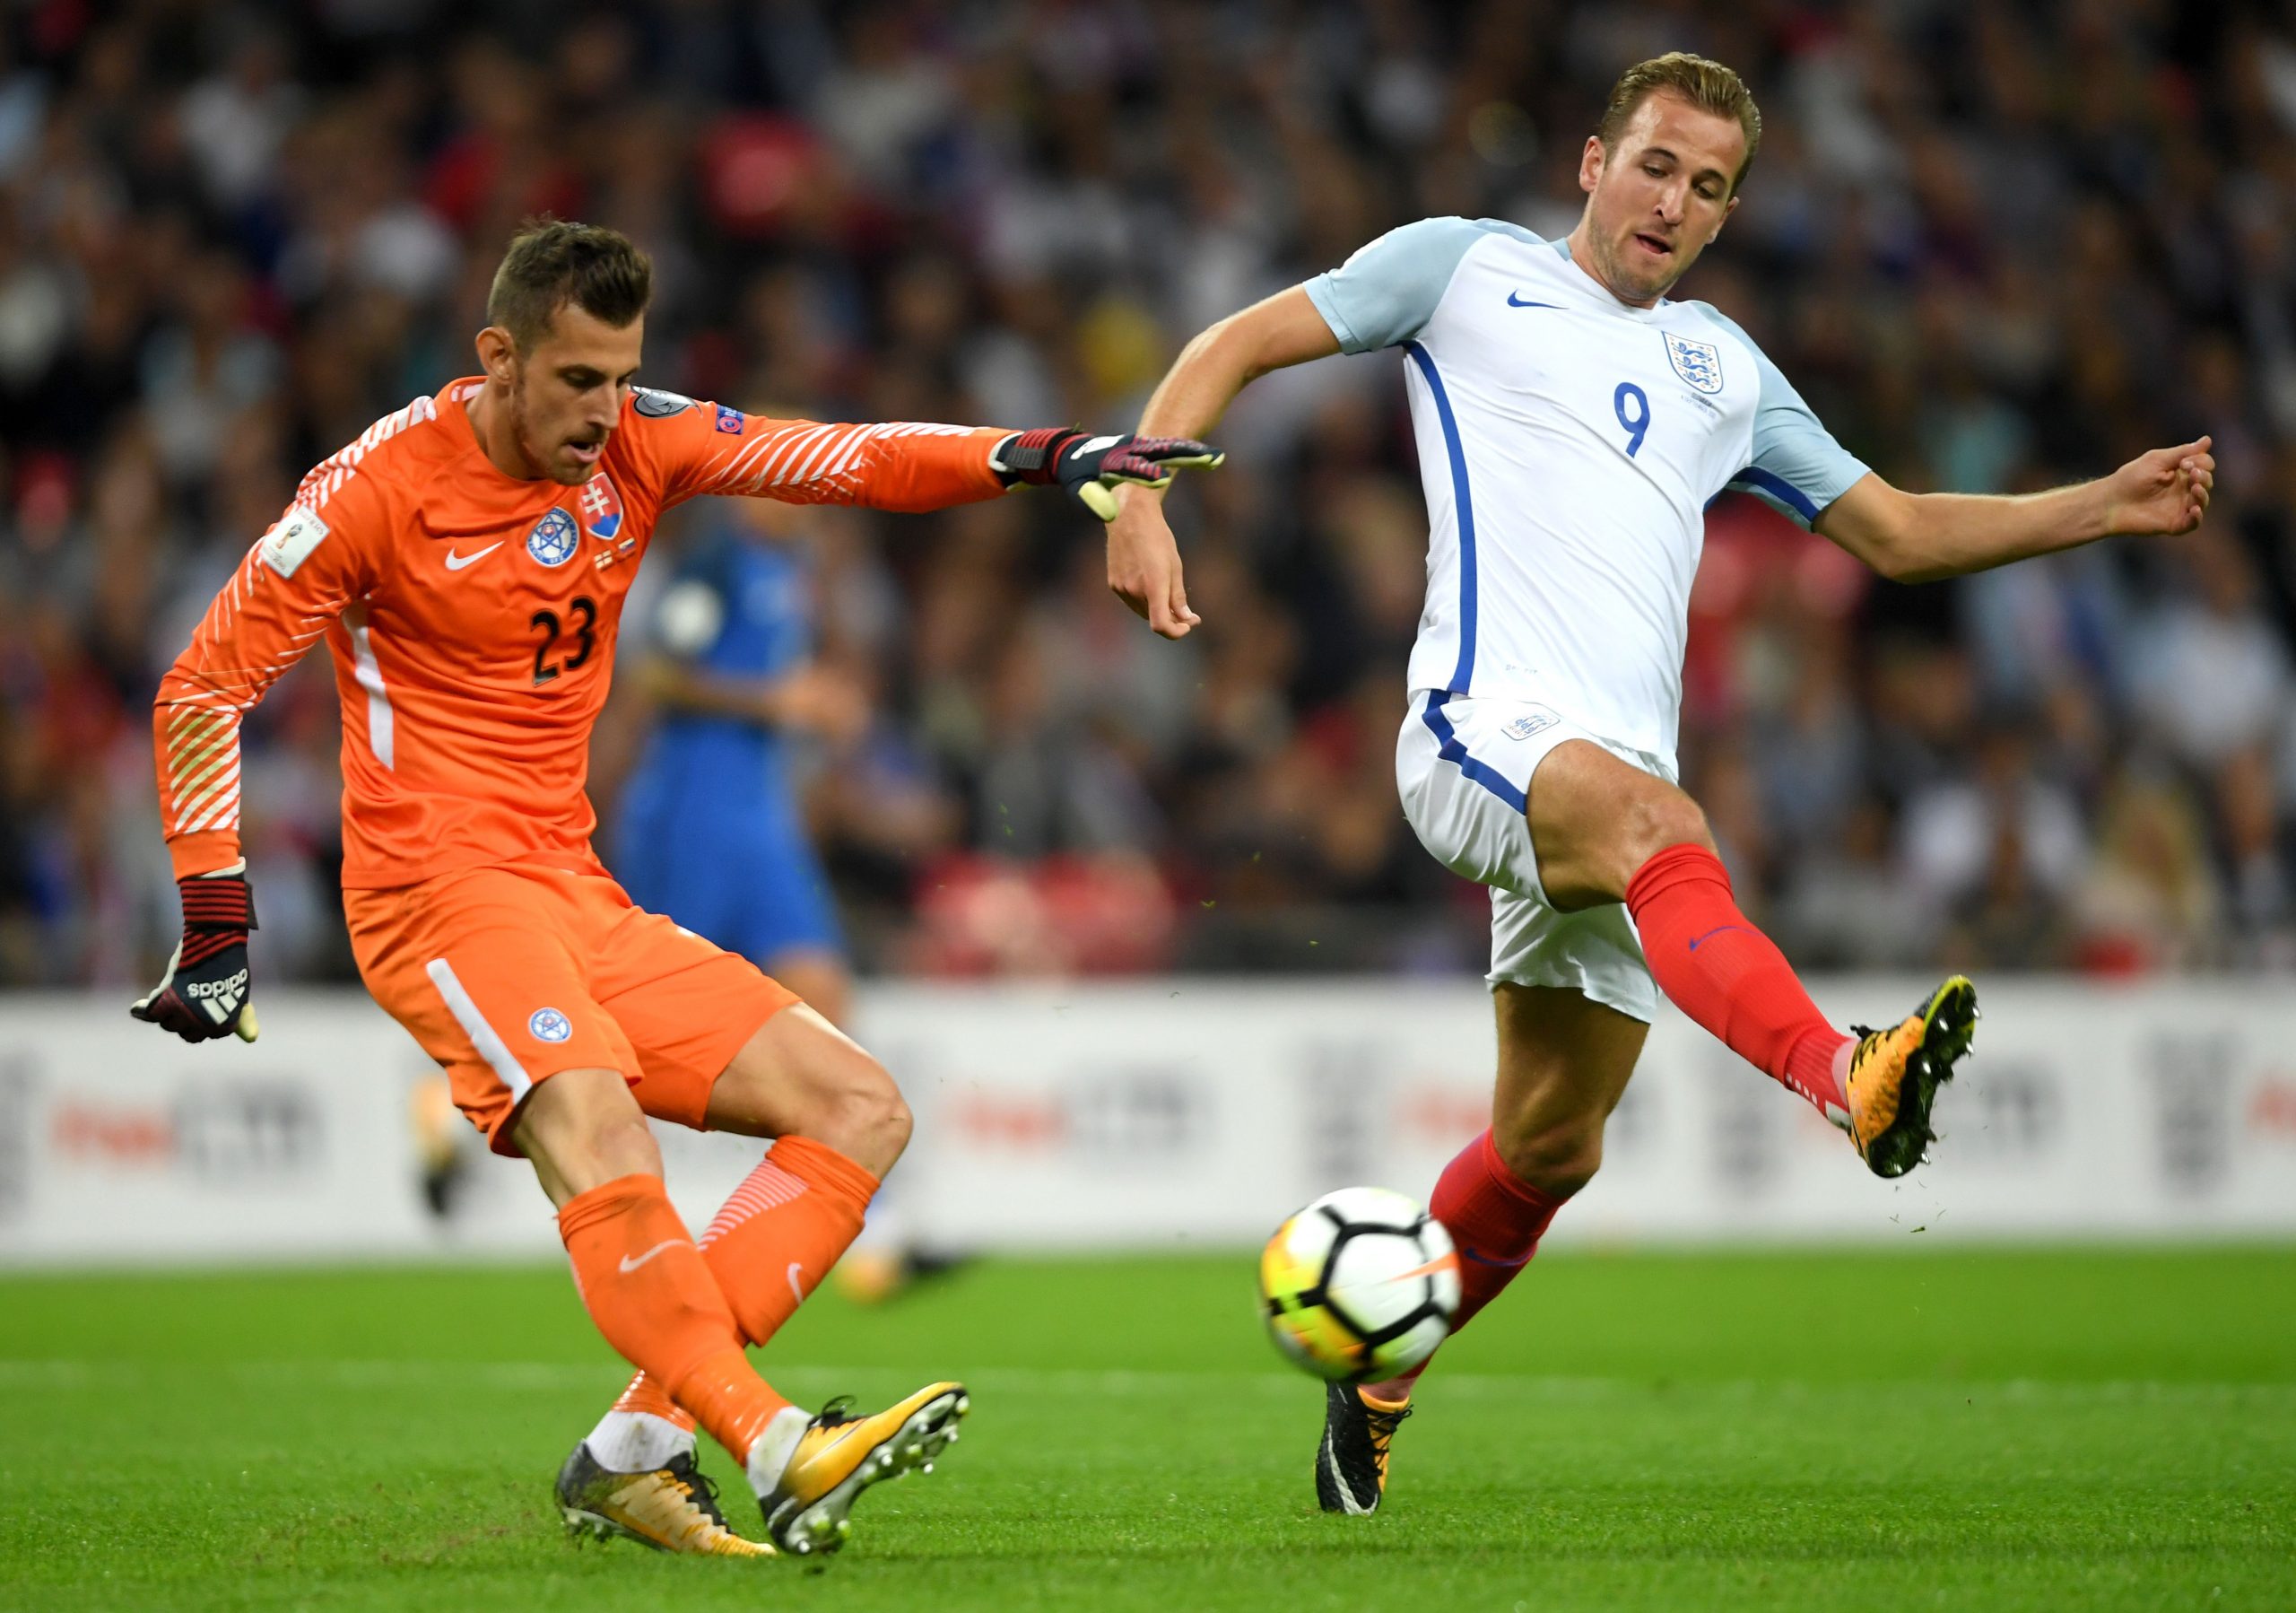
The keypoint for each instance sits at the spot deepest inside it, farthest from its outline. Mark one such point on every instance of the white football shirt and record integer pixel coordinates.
(1570, 445)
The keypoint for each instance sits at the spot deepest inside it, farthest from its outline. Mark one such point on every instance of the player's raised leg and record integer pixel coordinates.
(839, 1124)
(645, 1286)
(882, 1259)
(1606, 832)
(1563, 1060)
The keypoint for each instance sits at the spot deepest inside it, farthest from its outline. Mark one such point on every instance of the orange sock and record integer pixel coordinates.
(772, 1244)
(647, 1289)
(650, 1399)
(783, 1229)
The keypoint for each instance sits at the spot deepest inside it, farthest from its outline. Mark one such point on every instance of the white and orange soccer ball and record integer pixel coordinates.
(1360, 1286)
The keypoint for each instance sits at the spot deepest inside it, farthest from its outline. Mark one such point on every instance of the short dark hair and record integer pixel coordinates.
(551, 263)
(1708, 85)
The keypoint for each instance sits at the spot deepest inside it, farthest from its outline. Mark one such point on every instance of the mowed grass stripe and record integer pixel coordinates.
(2224, 1313)
(1982, 1430)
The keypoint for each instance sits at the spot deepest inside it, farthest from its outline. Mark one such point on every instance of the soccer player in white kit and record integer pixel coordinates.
(1573, 422)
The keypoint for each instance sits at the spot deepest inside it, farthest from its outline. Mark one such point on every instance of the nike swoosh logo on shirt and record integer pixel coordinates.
(1515, 301)
(797, 1270)
(629, 1265)
(456, 563)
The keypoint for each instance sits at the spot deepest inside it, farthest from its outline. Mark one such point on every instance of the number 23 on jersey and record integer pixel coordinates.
(578, 624)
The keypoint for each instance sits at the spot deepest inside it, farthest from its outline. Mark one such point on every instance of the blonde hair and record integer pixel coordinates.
(1708, 85)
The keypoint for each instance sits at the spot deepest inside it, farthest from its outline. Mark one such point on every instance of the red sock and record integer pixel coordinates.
(1497, 1219)
(1731, 978)
(772, 1244)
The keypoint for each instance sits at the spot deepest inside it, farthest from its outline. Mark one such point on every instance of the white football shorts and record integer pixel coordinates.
(1463, 768)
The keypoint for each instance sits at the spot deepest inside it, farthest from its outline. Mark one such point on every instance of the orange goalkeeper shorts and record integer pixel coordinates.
(507, 975)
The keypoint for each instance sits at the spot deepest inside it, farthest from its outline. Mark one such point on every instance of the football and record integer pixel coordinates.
(1360, 1286)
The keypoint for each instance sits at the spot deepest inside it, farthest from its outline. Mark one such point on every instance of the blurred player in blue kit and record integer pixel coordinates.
(713, 832)
(713, 829)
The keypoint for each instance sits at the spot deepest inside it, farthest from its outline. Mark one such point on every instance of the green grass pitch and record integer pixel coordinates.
(1988, 1429)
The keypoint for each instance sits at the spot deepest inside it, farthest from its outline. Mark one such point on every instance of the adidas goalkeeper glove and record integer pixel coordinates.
(205, 992)
(1091, 466)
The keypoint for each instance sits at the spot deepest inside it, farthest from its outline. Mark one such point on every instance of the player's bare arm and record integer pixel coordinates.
(1658, 195)
(1924, 536)
(1143, 560)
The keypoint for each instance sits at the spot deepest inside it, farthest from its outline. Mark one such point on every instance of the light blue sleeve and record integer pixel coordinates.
(1797, 468)
(1387, 291)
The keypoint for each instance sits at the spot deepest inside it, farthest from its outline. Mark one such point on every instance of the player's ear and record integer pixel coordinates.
(1590, 164)
(498, 355)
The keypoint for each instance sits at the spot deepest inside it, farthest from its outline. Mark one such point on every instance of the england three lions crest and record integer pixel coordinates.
(1698, 362)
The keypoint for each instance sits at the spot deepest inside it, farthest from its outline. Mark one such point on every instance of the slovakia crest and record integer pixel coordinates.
(601, 507)
(1698, 362)
(553, 538)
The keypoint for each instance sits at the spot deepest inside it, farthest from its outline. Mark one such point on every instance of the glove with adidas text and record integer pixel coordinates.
(203, 994)
(1092, 467)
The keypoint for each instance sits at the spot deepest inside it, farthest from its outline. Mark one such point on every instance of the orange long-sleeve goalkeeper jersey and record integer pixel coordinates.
(472, 616)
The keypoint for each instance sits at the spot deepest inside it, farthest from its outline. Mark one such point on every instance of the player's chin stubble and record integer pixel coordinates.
(1623, 283)
(1650, 286)
(547, 460)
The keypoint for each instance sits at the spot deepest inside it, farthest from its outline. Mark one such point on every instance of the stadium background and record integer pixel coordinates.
(1998, 247)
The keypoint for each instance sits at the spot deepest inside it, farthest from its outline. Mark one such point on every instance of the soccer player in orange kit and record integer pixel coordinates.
(465, 561)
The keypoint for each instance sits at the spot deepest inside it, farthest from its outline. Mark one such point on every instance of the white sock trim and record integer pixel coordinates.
(770, 1452)
(637, 1442)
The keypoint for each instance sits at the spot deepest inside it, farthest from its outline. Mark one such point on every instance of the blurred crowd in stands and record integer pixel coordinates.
(1998, 247)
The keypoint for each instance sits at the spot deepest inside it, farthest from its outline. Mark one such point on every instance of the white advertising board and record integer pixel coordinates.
(1172, 1114)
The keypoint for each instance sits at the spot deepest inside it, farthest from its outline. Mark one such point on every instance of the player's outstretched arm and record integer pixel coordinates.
(1921, 537)
(1143, 559)
(908, 466)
